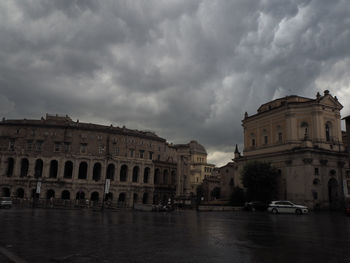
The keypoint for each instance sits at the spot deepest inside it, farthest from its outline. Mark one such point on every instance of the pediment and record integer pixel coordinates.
(329, 100)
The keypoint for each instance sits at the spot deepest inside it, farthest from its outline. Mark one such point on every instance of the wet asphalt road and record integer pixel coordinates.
(187, 236)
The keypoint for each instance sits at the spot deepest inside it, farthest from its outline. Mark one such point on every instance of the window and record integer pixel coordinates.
(280, 137)
(57, 146)
(328, 137)
(253, 142)
(131, 152)
(29, 145)
(11, 145)
(265, 139)
(67, 147)
(39, 145)
(142, 153)
(348, 186)
(150, 155)
(101, 148)
(116, 150)
(83, 147)
(316, 171)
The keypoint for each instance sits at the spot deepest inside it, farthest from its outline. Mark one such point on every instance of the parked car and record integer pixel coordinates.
(276, 207)
(5, 202)
(255, 206)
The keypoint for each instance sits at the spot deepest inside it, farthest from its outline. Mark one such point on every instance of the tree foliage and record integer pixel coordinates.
(260, 180)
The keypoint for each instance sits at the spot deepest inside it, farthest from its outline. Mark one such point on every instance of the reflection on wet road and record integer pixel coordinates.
(186, 236)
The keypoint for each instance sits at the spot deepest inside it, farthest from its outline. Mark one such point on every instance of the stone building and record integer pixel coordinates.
(56, 157)
(302, 138)
(192, 166)
(346, 140)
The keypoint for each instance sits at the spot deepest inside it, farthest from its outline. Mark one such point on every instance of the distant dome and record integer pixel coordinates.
(195, 147)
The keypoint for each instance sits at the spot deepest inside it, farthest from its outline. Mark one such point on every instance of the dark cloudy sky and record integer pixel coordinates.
(186, 69)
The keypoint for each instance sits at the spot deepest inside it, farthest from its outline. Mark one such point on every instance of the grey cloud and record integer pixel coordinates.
(185, 69)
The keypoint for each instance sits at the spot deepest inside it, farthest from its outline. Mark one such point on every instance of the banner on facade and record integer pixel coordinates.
(38, 187)
(108, 183)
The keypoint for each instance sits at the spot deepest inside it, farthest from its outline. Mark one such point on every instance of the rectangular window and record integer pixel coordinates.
(131, 152)
(158, 157)
(280, 137)
(67, 147)
(142, 153)
(101, 148)
(265, 139)
(116, 150)
(316, 171)
(83, 147)
(348, 186)
(39, 145)
(11, 145)
(151, 155)
(253, 142)
(29, 145)
(57, 147)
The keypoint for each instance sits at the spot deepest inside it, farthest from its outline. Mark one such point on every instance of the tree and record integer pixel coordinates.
(237, 197)
(260, 180)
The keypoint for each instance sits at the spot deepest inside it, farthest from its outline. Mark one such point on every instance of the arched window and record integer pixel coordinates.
(328, 128)
(123, 173)
(146, 175)
(38, 172)
(20, 193)
(65, 195)
(165, 176)
(94, 196)
(10, 166)
(53, 169)
(96, 174)
(304, 130)
(110, 171)
(135, 174)
(50, 194)
(83, 170)
(173, 177)
(80, 195)
(145, 198)
(121, 197)
(156, 176)
(24, 167)
(68, 169)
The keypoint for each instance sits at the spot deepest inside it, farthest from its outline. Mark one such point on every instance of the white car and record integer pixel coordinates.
(5, 202)
(276, 207)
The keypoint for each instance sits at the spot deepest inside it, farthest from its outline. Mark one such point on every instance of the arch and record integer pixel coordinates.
(135, 198)
(80, 195)
(83, 167)
(34, 194)
(146, 175)
(156, 176)
(68, 169)
(94, 196)
(20, 193)
(110, 171)
(122, 197)
(145, 198)
(65, 195)
(24, 167)
(53, 169)
(10, 166)
(135, 174)
(328, 130)
(96, 173)
(38, 171)
(123, 173)
(165, 176)
(5, 192)
(109, 196)
(333, 192)
(50, 194)
(173, 177)
(304, 130)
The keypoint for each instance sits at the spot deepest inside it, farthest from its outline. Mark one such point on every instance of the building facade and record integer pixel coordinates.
(56, 157)
(302, 138)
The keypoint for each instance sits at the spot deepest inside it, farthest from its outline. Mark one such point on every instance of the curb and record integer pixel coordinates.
(12, 257)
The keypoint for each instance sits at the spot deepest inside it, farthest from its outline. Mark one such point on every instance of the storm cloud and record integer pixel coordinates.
(184, 69)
